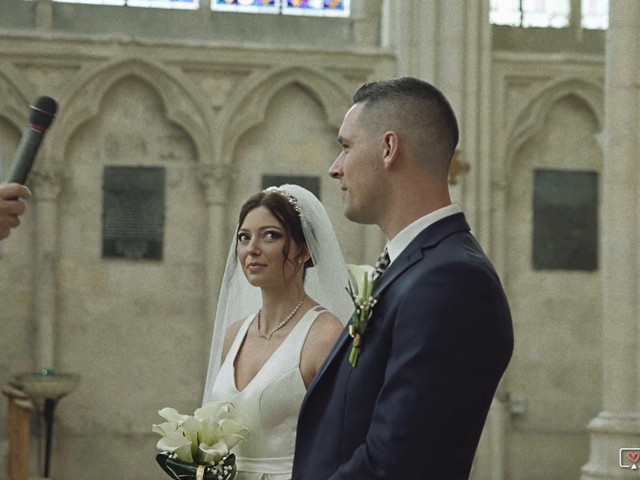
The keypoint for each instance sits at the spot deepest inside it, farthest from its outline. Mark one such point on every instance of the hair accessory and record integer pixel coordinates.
(292, 200)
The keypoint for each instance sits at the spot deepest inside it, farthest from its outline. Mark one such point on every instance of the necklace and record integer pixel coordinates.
(268, 336)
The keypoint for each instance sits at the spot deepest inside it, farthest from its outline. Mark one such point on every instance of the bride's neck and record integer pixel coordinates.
(277, 305)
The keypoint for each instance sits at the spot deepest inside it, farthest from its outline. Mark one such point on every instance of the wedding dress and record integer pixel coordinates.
(268, 405)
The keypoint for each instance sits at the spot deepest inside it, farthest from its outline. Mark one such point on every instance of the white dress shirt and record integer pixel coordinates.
(397, 244)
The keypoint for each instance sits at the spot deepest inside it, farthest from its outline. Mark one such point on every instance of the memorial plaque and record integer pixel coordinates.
(133, 212)
(565, 220)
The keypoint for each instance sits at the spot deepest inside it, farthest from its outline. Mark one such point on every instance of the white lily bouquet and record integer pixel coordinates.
(198, 446)
(361, 286)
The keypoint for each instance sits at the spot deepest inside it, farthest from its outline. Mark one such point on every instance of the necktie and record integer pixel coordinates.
(382, 263)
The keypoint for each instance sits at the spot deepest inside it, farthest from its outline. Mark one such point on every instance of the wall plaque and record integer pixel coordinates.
(133, 212)
(565, 220)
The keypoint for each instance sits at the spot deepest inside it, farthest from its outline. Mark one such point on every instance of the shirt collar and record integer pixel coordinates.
(397, 244)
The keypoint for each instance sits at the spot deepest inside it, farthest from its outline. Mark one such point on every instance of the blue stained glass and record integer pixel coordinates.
(252, 6)
(175, 4)
(318, 4)
(316, 7)
(184, 4)
(247, 3)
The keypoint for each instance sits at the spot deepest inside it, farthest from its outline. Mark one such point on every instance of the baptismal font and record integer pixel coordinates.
(43, 389)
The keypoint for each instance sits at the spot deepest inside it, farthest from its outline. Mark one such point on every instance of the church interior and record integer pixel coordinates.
(171, 112)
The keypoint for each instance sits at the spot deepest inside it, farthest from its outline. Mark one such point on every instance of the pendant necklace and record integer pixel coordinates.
(268, 336)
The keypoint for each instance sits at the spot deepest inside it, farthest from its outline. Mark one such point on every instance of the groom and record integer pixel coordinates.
(440, 336)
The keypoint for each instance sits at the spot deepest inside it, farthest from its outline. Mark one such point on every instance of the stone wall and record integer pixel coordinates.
(216, 115)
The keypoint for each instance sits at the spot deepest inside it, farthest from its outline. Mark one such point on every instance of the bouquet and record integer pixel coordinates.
(197, 447)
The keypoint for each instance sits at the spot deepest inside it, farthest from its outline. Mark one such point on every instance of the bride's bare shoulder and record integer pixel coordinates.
(230, 335)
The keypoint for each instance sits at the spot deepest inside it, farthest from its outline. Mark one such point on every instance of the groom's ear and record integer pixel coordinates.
(389, 148)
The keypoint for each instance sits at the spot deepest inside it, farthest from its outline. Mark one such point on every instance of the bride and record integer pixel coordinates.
(283, 303)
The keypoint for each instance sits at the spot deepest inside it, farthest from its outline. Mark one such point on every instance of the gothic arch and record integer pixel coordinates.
(531, 119)
(183, 104)
(246, 110)
(14, 97)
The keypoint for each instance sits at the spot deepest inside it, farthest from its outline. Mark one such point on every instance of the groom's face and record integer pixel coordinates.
(357, 169)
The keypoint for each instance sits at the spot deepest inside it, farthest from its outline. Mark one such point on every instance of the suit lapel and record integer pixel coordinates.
(428, 238)
(414, 252)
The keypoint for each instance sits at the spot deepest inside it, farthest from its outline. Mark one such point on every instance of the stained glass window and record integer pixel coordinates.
(316, 7)
(325, 8)
(176, 4)
(248, 6)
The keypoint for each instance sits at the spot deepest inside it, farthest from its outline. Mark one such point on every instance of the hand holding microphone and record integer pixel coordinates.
(11, 206)
(41, 115)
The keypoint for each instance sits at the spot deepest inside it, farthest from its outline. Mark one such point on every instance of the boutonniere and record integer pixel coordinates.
(360, 287)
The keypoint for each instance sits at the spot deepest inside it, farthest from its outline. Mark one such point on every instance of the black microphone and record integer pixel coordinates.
(41, 114)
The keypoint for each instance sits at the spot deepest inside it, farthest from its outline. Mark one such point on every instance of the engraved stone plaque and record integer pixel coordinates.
(565, 220)
(133, 212)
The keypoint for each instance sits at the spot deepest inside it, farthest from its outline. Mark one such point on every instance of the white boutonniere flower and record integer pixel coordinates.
(360, 287)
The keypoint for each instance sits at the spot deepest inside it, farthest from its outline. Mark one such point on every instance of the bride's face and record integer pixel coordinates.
(261, 246)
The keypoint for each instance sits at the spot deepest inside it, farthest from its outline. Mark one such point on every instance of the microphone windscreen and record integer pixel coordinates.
(42, 113)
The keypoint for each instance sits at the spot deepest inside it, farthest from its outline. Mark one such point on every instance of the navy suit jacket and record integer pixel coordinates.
(438, 342)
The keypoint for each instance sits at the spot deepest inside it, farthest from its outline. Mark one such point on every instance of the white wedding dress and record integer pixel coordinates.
(268, 406)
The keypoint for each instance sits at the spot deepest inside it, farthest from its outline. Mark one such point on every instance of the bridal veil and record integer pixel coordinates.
(325, 281)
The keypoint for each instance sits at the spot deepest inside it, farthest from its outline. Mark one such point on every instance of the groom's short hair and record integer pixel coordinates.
(412, 107)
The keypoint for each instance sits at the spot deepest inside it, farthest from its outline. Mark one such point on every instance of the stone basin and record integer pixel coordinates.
(47, 384)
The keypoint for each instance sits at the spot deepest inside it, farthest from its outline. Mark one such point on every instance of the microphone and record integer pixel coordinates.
(41, 115)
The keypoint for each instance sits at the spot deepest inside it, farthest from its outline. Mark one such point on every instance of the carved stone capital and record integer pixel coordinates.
(46, 184)
(365, 15)
(458, 167)
(216, 179)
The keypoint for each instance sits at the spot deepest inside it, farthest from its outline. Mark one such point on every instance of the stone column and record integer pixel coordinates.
(410, 29)
(46, 187)
(216, 179)
(44, 14)
(365, 15)
(448, 43)
(618, 425)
